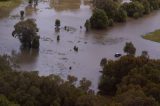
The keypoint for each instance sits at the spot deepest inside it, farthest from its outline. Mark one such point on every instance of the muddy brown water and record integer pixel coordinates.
(56, 57)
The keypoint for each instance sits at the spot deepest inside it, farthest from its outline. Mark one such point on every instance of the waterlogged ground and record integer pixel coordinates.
(56, 57)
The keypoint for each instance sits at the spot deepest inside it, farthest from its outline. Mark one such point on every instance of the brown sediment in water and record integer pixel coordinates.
(7, 6)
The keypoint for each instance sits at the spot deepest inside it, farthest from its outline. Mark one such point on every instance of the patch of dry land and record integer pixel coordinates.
(153, 36)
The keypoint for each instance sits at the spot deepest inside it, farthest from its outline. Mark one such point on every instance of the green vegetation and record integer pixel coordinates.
(57, 23)
(153, 36)
(134, 9)
(131, 81)
(7, 5)
(99, 19)
(26, 31)
(29, 89)
(129, 48)
(118, 12)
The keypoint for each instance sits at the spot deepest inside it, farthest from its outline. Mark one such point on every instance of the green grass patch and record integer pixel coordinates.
(153, 36)
(7, 6)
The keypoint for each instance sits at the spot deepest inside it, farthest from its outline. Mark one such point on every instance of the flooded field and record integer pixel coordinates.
(56, 57)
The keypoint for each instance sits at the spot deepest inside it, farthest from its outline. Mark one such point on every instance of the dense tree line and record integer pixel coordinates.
(131, 81)
(117, 11)
(128, 81)
(29, 89)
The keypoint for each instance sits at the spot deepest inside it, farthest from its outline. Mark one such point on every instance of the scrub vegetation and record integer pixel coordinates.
(117, 11)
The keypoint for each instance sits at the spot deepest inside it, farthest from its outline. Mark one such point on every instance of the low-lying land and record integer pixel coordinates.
(153, 36)
(7, 5)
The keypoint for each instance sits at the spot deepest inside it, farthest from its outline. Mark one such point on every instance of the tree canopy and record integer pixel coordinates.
(117, 11)
(129, 48)
(20, 88)
(132, 81)
(26, 32)
(99, 19)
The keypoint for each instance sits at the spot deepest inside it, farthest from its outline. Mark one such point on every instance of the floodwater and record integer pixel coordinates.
(56, 57)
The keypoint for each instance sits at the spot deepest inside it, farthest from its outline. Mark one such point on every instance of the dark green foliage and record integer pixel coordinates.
(26, 31)
(134, 9)
(117, 11)
(57, 23)
(146, 5)
(133, 81)
(135, 97)
(129, 48)
(30, 89)
(121, 15)
(85, 84)
(90, 100)
(109, 6)
(5, 102)
(35, 42)
(99, 19)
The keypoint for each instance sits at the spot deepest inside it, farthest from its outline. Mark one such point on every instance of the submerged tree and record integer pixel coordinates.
(129, 48)
(26, 32)
(22, 13)
(57, 23)
(87, 25)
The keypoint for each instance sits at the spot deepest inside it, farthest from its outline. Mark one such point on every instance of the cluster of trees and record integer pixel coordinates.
(131, 81)
(26, 32)
(30, 89)
(129, 48)
(116, 11)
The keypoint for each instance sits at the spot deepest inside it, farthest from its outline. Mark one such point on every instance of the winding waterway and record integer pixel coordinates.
(56, 57)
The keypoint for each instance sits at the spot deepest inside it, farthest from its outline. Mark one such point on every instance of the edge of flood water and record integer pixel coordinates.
(7, 6)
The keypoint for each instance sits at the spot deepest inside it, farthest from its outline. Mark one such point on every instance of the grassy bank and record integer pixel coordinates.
(7, 6)
(153, 36)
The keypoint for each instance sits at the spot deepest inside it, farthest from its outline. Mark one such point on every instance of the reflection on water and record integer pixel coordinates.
(25, 56)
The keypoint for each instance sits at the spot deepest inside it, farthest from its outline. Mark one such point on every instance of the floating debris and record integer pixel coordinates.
(70, 68)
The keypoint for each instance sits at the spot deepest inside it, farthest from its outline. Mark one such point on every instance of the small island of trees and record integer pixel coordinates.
(26, 32)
